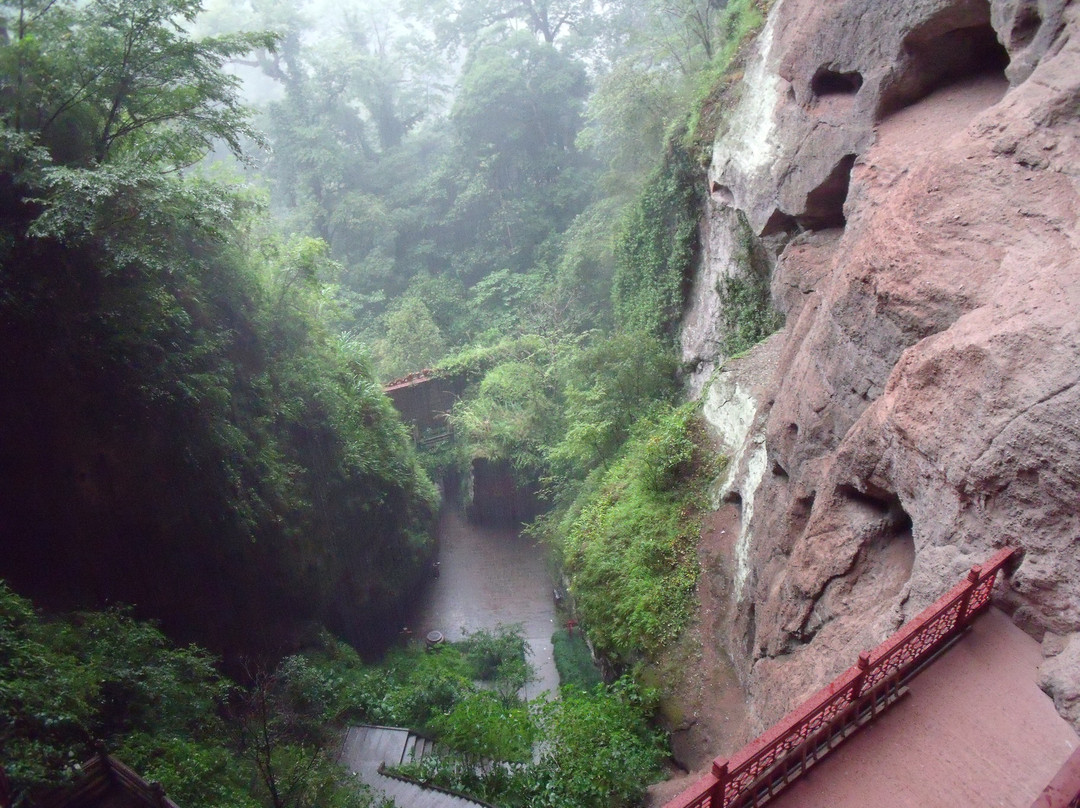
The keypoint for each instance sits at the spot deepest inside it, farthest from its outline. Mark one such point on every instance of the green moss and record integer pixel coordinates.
(746, 310)
(655, 246)
(629, 547)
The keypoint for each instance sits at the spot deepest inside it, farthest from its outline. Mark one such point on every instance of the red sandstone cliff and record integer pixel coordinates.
(914, 171)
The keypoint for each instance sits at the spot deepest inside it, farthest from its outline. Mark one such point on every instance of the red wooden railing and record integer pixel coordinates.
(766, 765)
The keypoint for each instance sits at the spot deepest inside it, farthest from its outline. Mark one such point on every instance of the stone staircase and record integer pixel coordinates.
(367, 748)
(417, 747)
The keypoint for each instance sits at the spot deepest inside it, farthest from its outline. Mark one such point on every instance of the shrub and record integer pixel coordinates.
(499, 657)
(599, 750)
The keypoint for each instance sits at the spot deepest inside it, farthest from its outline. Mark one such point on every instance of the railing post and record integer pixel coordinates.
(860, 679)
(972, 581)
(720, 772)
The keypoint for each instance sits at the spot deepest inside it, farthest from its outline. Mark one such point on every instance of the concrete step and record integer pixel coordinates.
(366, 747)
(410, 748)
(422, 748)
(375, 745)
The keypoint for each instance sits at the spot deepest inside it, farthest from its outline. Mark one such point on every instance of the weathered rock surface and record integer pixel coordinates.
(915, 168)
(1057, 675)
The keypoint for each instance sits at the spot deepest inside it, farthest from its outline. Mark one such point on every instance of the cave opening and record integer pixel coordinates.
(721, 193)
(824, 206)
(779, 222)
(957, 44)
(833, 82)
(879, 505)
(735, 498)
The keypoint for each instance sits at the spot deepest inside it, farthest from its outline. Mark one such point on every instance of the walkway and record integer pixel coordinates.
(975, 730)
(366, 748)
(488, 576)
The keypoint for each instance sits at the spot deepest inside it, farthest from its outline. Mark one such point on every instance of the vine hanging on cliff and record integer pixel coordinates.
(746, 310)
(655, 246)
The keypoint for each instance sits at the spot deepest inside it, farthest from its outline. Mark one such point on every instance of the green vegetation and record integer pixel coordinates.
(192, 358)
(574, 661)
(499, 658)
(228, 439)
(656, 246)
(562, 408)
(629, 543)
(747, 312)
(601, 752)
(589, 412)
(71, 682)
(597, 750)
(626, 494)
(104, 677)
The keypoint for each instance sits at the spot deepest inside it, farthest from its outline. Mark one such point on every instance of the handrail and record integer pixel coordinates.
(734, 779)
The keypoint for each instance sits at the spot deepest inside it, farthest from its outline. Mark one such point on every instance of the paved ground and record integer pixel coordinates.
(491, 576)
(974, 731)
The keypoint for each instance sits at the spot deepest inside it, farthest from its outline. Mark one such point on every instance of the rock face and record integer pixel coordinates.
(914, 169)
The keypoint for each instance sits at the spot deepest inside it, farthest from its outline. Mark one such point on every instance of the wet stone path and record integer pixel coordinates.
(491, 576)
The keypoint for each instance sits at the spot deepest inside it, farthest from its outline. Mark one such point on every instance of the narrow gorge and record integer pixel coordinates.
(568, 390)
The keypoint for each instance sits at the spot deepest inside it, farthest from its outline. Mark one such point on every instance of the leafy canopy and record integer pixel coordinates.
(113, 78)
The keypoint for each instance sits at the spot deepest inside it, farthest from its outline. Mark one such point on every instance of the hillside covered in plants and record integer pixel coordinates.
(184, 426)
(222, 231)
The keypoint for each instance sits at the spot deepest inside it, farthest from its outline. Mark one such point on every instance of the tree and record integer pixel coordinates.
(361, 110)
(628, 118)
(123, 76)
(689, 30)
(466, 22)
(518, 111)
(684, 35)
(412, 341)
(517, 179)
(105, 677)
(282, 726)
(200, 350)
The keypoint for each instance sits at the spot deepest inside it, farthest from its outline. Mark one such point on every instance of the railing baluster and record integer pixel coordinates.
(716, 798)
